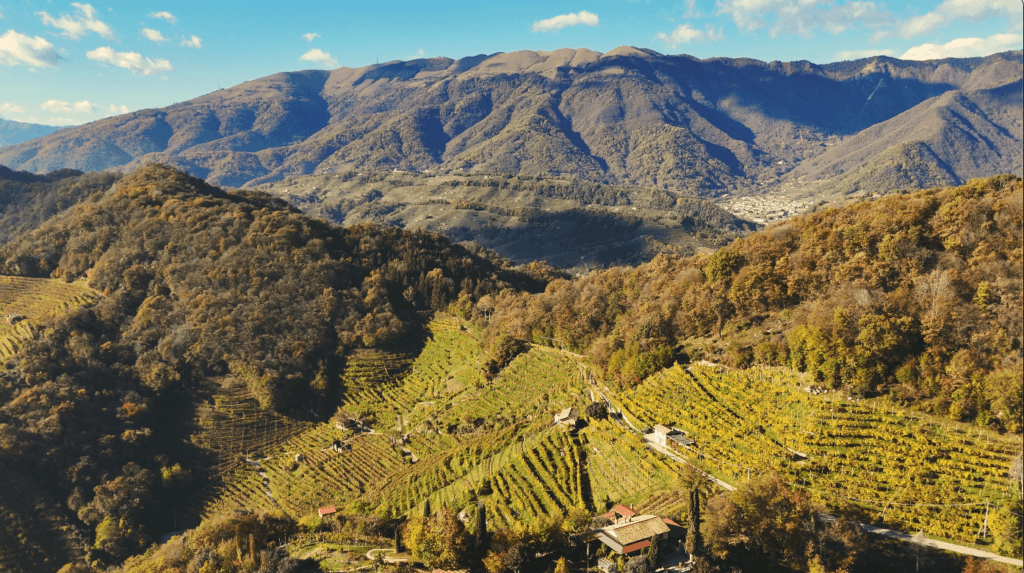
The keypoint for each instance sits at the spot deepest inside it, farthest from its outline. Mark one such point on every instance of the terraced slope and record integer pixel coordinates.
(911, 472)
(441, 431)
(27, 302)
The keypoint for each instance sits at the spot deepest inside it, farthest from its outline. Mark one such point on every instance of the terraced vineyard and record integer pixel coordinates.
(457, 431)
(384, 385)
(231, 426)
(911, 472)
(27, 302)
(623, 470)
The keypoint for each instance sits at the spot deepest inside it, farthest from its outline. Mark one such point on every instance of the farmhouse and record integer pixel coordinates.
(567, 417)
(327, 510)
(629, 534)
(670, 437)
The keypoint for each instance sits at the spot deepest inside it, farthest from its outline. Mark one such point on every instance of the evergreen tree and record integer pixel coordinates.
(480, 541)
(693, 540)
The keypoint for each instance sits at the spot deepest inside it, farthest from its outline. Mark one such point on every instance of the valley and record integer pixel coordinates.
(566, 222)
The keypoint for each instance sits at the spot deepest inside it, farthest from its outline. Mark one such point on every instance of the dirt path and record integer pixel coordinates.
(265, 481)
(664, 451)
(922, 540)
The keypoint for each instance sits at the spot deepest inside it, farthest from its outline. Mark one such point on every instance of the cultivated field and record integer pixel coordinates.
(433, 428)
(25, 302)
(911, 472)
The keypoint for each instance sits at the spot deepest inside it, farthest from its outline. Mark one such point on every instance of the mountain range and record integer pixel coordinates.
(14, 132)
(630, 116)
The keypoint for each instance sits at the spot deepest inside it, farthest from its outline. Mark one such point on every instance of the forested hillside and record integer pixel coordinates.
(26, 200)
(195, 282)
(917, 296)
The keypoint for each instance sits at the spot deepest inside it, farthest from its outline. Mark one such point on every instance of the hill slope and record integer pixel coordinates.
(629, 116)
(942, 141)
(198, 283)
(566, 222)
(917, 296)
(26, 200)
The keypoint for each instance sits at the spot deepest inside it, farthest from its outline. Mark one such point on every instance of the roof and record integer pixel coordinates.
(635, 546)
(637, 529)
(659, 429)
(327, 509)
(681, 440)
(566, 414)
(623, 511)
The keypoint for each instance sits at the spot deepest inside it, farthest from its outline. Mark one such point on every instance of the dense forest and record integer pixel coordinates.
(27, 200)
(917, 296)
(198, 282)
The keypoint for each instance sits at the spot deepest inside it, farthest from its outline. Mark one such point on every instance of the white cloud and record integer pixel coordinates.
(845, 55)
(153, 35)
(55, 105)
(318, 55)
(193, 42)
(956, 10)
(118, 108)
(684, 34)
(131, 61)
(164, 16)
(310, 36)
(75, 27)
(566, 20)
(8, 107)
(965, 47)
(19, 49)
(691, 11)
(803, 16)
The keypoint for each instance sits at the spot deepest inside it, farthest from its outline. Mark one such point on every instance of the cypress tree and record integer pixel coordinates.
(693, 541)
(481, 528)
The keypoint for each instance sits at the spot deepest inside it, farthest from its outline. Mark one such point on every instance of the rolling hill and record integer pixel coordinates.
(626, 117)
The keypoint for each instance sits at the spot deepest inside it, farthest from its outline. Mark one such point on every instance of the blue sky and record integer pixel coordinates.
(66, 63)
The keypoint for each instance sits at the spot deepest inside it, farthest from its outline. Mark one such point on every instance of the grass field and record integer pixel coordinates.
(29, 302)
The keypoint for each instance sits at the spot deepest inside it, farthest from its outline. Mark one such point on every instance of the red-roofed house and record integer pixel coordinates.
(619, 511)
(327, 510)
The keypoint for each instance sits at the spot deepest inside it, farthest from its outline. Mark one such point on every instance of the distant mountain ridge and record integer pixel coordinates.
(14, 132)
(628, 117)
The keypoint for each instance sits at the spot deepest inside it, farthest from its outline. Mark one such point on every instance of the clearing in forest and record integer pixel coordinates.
(27, 302)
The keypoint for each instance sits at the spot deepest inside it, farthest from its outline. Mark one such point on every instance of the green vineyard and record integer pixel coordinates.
(436, 429)
(433, 428)
(26, 302)
(904, 469)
